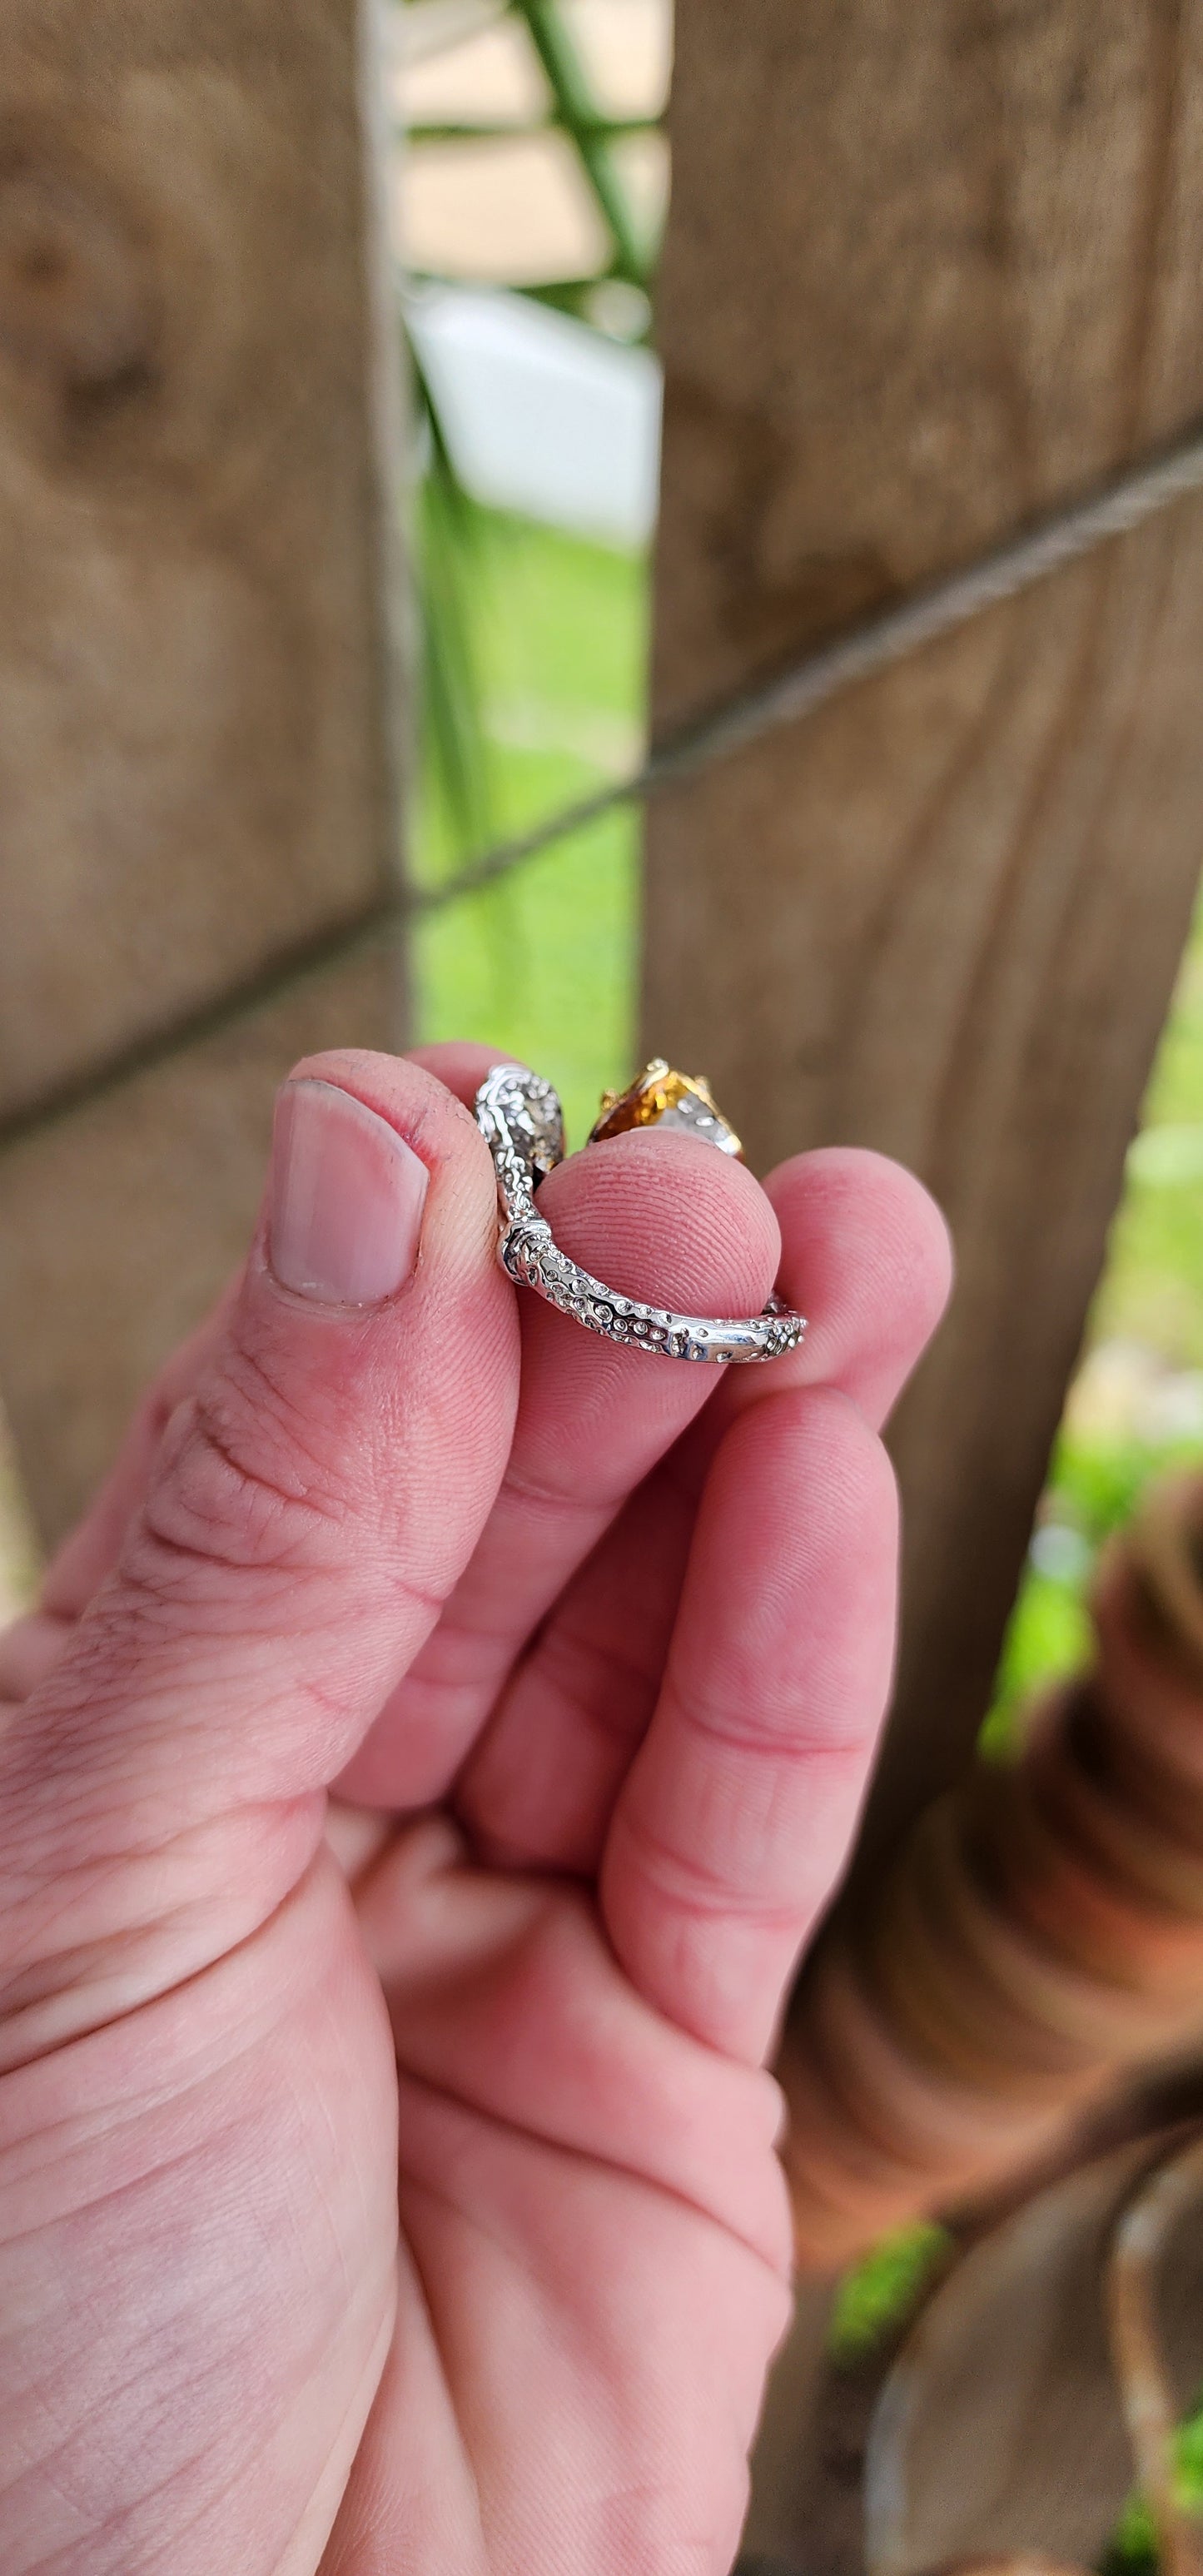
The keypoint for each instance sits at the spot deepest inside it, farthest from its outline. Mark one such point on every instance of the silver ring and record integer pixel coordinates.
(522, 1123)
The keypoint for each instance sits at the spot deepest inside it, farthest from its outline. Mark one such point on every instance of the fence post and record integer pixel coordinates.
(198, 609)
(927, 273)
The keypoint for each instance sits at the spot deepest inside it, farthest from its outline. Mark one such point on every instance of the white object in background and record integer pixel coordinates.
(542, 415)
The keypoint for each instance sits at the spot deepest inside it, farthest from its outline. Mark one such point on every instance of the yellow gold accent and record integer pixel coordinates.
(653, 1092)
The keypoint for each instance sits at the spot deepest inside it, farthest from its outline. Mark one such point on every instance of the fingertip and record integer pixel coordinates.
(460, 1065)
(867, 1255)
(880, 1213)
(429, 1115)
(666, 1218)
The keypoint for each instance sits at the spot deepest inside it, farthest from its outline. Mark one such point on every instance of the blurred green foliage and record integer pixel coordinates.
(876, 2294)
(1150, 1300)
(447, 578)
(1133, 2550)
(1153, 1288)
(542, 965)
(1094, 1484)
(446, 556)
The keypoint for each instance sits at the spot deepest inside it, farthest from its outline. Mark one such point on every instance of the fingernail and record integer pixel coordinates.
(347, 1195)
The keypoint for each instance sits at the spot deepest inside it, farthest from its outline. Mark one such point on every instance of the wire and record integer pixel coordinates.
(882, 639)
(888, 636)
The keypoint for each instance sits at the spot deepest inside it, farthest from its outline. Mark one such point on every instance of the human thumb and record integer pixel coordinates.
(314, 1501)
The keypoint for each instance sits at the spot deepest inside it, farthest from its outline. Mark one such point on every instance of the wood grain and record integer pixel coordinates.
(927, 273)
(198, 669)
(123, 1222)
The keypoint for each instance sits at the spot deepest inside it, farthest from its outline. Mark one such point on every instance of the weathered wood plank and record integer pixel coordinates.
(198, 675)
(926, 273)
(122, 1222)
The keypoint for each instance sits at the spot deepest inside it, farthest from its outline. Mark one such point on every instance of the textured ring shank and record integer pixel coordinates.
(519, 1116)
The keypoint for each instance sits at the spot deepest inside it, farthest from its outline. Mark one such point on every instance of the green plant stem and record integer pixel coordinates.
(502, 130)
(448, 569)
(577, 111)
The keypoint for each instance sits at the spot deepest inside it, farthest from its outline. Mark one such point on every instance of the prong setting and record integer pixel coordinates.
(520, 1118)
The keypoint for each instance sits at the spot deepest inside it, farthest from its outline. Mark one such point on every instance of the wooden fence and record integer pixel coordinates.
(927, 273)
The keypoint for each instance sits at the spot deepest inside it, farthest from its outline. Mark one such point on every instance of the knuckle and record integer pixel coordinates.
(236, 1487)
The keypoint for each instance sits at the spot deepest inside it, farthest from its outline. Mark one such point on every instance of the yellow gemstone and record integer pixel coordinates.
(659, 1092)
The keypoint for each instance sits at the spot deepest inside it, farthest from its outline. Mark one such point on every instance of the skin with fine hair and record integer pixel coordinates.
(417, 1782)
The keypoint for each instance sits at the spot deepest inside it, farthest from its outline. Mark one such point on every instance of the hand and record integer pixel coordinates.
(595, 1646)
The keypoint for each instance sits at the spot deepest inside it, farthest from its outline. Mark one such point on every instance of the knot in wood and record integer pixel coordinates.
(75, 301)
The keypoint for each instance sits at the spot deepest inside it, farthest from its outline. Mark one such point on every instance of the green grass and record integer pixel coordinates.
(511, 967)
(1153, 1288)
(876, 2294)
(1151, 1298)
(543, 964)
(1133, 2549)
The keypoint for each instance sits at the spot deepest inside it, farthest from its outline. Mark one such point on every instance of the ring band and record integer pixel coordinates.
(520, 1118)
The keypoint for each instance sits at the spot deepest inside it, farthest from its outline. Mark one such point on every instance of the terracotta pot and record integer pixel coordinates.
(1065, 1764)
(916, 2110)
(1149, 1683)
(1062, 1899)
(1041, 1928)
(959, 1976)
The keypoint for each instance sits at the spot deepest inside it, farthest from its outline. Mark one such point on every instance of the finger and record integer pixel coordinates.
(865, 1256)
(503, 1997)
(357, 1836)
(460, 1064)
(736, 1816)
(31, 1644)
(31, 1647)
(312, 1504)
(538, 1789)
(657, 1216)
